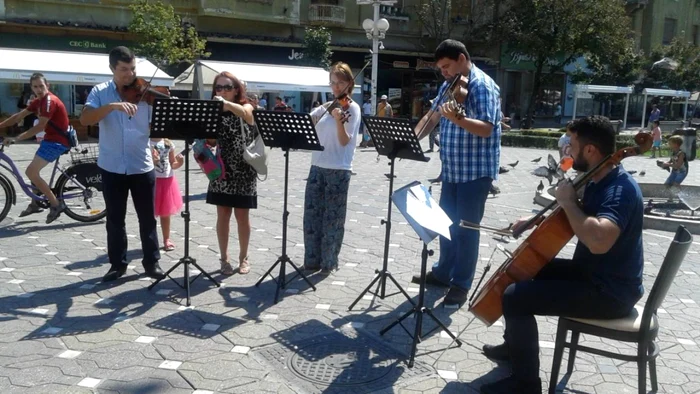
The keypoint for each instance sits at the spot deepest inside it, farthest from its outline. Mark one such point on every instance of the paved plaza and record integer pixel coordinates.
(63, 331)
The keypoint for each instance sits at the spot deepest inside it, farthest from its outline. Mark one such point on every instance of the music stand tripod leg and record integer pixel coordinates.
(186, 259)
(384, 273)
(284, 259)
(419, 309)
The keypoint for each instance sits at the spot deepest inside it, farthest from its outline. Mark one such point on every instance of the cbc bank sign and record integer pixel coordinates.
(88, 44)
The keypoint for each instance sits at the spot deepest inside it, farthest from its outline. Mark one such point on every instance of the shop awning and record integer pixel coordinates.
(261, 77)
(626, 90)
(17, 65)
(665, 93)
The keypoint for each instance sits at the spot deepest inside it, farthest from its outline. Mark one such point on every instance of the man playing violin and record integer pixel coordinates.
(603, 280)
(469, 150)
(126, 163)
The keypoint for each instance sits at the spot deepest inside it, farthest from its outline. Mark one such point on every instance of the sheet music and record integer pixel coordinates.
(422, 212)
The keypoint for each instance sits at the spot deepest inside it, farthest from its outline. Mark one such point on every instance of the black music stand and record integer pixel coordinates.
(186, 119)
(393, 138)
(431, 215)
(286, 130)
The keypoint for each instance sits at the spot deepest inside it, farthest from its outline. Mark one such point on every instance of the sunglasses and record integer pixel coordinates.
(227, 88)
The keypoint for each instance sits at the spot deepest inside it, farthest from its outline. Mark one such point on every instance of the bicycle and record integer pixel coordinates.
(82, 179)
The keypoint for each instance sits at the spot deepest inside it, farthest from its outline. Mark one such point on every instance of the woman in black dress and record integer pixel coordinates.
(237, 191)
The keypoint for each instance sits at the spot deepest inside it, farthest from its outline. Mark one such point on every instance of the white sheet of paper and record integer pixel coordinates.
(421, 206)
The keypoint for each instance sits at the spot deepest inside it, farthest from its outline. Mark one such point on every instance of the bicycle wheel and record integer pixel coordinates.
(9, 198)
(81, 190)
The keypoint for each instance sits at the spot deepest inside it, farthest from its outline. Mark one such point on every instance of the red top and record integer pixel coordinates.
(52, 107)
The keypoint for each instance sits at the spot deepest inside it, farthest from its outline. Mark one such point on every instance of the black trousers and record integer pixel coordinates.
(116, 188)
(562, 288)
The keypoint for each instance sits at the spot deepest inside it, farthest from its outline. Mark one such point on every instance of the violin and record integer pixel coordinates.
(141, 90)
(458, 88)
(542, 245)
(456, 93)
(343, 102)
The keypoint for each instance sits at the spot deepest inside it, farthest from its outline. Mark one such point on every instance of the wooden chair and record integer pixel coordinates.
(640, 327)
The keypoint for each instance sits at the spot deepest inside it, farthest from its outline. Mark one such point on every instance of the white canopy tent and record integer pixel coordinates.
(260, 77)
(73, 68)
(666, 93)
(627, 90)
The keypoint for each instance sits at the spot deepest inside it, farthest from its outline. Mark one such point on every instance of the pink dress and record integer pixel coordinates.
(168, 199)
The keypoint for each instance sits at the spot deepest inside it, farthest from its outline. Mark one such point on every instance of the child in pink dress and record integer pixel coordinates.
(168, 199)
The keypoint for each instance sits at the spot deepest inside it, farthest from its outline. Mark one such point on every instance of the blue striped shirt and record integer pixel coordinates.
(466, 156)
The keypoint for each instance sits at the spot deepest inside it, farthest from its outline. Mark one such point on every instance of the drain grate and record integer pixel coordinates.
(337, 362)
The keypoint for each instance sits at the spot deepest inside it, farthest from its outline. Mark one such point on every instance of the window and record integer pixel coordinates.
(669, 30)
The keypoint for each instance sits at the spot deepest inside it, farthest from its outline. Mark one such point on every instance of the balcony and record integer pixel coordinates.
(326, 14)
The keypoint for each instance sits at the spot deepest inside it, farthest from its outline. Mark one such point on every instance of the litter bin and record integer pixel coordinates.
(689, 146)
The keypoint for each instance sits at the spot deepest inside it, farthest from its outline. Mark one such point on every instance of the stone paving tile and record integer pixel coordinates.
(103, 335)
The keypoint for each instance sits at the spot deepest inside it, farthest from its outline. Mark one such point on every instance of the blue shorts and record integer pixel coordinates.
(675, 177)
(50, 151)
(657, 144)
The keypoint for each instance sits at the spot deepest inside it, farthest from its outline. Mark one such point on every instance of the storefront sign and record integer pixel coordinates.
(513, 59)
(296, 55)
(87, 44)
(400, 64)
(59, 43)
(423, 65)
(394, 93)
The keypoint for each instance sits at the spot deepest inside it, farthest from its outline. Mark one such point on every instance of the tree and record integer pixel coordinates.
(683, 74)
(554, 33)
(317, 52)
(434, 18)
(161, 35)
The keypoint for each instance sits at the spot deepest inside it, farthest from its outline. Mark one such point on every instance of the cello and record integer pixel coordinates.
(542, 245)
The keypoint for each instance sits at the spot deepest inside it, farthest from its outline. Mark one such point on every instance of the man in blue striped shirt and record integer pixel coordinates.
(470, 147)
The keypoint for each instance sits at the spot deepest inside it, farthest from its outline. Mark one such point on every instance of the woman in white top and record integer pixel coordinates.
(325, 202)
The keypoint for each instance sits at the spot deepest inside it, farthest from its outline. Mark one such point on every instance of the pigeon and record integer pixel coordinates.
(540, 187)
(537, 160)
(550, 171)
(514, 164)
(632, 172)
(642, 173)
(494, 190)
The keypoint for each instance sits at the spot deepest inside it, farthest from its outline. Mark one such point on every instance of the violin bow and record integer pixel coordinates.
(353, 87)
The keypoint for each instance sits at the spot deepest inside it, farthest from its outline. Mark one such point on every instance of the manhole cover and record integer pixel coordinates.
(341, 362)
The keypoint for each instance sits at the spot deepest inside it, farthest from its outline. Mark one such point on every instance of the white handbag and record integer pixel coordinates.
(256, 153)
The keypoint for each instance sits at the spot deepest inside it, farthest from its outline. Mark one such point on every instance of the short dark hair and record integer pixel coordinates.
(120, 54)
(451, 49)
(36, 76)
(595, 130)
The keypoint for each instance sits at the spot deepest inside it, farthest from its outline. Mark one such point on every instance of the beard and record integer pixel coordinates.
(580, 164)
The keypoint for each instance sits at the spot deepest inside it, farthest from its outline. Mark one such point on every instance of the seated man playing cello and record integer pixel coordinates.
(603, 280)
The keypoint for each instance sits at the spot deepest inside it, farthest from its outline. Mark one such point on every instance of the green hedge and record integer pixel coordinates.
(541, 133)
(531, 141)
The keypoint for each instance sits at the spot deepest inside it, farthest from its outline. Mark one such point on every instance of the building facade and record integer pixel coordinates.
(255, 31)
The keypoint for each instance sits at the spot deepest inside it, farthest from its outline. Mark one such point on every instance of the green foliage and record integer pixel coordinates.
(161, 36)
(621, 68)
(317, 52)
(574, 28)
(529, 139)
(685, 77)
(541, 133)
(434, 18)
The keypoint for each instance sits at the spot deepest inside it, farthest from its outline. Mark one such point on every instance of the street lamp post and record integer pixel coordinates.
(375, 29)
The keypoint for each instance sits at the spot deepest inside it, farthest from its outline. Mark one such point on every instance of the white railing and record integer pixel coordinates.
(327, 13)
